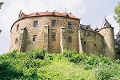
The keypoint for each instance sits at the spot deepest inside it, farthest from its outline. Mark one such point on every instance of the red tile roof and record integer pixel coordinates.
(48, 14)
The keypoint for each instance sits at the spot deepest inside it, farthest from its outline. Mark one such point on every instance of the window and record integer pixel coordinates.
(35, 23)
(53, 23)
(94, 36)
(53, 37)
(34, 37)
(84, 42)
(88, 34)
(95, 45)
(69, 25)
(17, 27)
(16, 40)
(69, 39)
(84, 33)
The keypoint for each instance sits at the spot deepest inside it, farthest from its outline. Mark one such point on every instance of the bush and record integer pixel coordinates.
(104, 75)
(92, 60)
(39, 53)
(78, 58)
(69, 53)
(8, 72)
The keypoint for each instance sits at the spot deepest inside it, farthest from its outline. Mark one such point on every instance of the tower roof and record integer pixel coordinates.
(106, 23)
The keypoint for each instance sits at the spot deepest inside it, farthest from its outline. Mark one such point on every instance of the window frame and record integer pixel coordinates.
(34, 37)
(69, 25)
(53, 23)
(69, 39)
(35, 23)
(53, 37)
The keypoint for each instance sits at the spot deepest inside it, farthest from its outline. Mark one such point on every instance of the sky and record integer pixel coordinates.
(89, 11)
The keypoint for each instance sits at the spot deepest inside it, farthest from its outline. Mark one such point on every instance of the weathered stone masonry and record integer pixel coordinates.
(56, 32)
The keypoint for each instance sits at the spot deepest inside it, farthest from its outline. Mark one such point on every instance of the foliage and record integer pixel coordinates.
(117, 12)
(1, 3)
(70, 65)
(39, 53)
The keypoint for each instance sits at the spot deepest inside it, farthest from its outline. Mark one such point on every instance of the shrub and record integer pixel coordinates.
(78, 58)
(69, 53)
(8, 72)
(104, 75)
(87, 67)
(39, 53)
(93, 60)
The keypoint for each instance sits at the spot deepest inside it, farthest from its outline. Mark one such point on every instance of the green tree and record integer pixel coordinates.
(117, 12)
(1, 3)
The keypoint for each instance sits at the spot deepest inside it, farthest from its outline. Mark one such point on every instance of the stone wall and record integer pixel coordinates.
(92, 42)
(43, 34)
(109, 44)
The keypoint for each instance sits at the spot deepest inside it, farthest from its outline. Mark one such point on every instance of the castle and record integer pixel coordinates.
(56, 32)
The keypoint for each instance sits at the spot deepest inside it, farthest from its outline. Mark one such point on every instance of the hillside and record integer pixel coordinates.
(39, 65)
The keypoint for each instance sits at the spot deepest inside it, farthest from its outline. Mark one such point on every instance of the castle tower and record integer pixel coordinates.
(107, 31)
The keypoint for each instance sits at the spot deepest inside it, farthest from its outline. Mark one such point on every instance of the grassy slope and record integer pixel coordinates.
(64, 70)
(30, 66)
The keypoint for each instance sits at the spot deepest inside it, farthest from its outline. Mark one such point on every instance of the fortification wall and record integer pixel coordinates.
(92, 42)
(40, 33)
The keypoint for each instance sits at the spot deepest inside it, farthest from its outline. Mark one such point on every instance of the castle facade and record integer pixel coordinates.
(56, 32)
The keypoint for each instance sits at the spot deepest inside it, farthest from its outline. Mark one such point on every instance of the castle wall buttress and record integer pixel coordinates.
(46, 37)
(80, 43)
(62, 39)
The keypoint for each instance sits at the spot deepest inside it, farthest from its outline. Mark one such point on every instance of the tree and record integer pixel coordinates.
(1, 3)
(117, 44)
(117, 12)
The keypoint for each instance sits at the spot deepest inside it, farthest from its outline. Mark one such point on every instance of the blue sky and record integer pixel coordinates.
(89, 11)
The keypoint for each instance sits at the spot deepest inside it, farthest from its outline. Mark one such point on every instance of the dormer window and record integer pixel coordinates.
(69, 25)
(35, 23)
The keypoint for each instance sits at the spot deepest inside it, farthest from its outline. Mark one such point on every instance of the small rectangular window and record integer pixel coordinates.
(34, 37)
(35, 23)
(84, 33)
(53, 23)
(16, 40)
(69, 25)
(53, 37)
(94, 36)
(69, 39)
(88, 34)
(17, 27)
